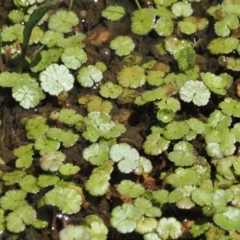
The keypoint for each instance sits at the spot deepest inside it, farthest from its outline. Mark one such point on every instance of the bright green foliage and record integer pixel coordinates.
(124, 217)
(96, 227)
(236, 131)
(21, 216)
(71, 232)
(146, 208)
(146, 225)
(229, 219)
(183, 154)
(123, 45)
(176, 130)
(50, 38)
(129, 188)
(72, 41)
(230, 107)
(24, 154)
(67, 199)
(126, 157)
(29, 184)
(88, 76)
(110, 90)
(47, 180)
(168, 104)
(169, 227)
(55, 79)
(217, 84)
(96, 153)
(8, 79)
(13, 177)
(165, 115)
(63, 21)
(68, 138)
(220, 143)
(218, 120)
(185, 58)
(68, 169)
(28, 93)
(144, 166)
(187, 27)
(223, 45)
(199, 228)
(13, 199)
(98, 183)
(100, 125)
(45, 58)
(113, 13)
(230, 62)
(132, 77)
(196, 92)
(69, 116)
(143, 21)
(155, 144)
(73, 57)
(174, 45)
(12, 33)
(16, 16)
(155, 78)
(99, 105)
(45, 144)
(181, 9)
(189, 176)
(52, 160)
(164, 26)
(225, 25)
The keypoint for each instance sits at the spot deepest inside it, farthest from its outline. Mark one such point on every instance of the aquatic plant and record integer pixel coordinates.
(146, 120)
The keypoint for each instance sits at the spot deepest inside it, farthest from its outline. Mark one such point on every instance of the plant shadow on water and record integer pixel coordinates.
(119, 120)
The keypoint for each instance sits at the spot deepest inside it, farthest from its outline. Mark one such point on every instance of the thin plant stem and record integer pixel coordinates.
(137, 3)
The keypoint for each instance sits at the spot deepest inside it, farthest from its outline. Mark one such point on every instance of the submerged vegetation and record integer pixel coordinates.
(120, 121)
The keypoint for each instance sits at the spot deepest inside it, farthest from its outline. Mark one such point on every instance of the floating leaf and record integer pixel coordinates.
(52, 160)
(113, 13)
(195, 91)
(89, 75)
(169, 227)
(17, 219)
(143, 21)
(28, 93)
(223, 45)
(73, 57)
(182, 9)
(47, 180)
(123, 45)
(129, 188)
(217, 84)
(67, 199)
(132, 77)
(220, 143)
(71, 232)
(164, 26)
(124, 217)
(55, 79)
(182, 154)
(110, 90)
(68, 169)
(229, 219)
(63, 21)
(230, 107)
(13, 199)
(225, 25)
(29, 184)
(96, 153)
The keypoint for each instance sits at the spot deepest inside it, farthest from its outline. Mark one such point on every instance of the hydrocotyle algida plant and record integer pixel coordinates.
(134, 132)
